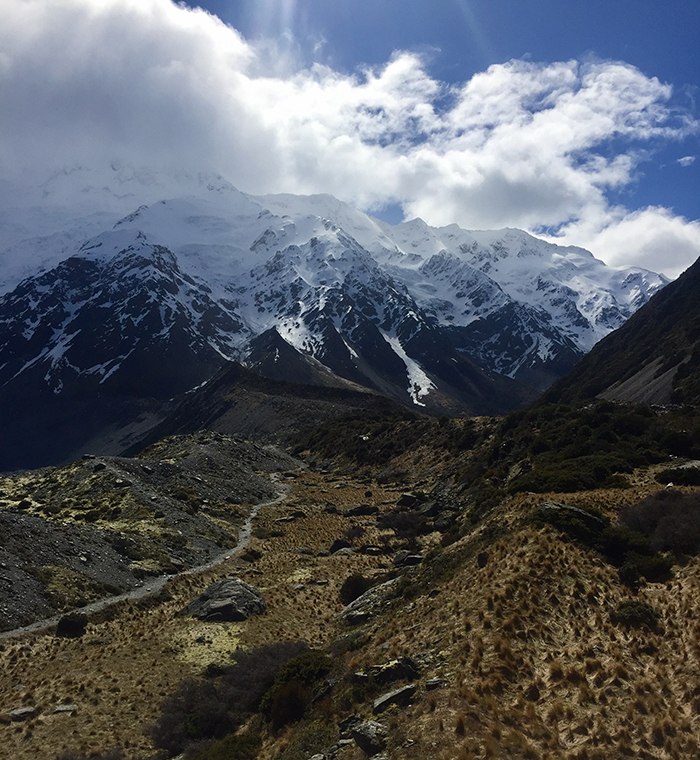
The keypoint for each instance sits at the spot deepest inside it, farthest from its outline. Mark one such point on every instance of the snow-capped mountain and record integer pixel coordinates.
(149, 303)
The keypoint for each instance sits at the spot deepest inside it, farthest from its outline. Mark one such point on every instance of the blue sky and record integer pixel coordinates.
(463, 37)
(578, 122)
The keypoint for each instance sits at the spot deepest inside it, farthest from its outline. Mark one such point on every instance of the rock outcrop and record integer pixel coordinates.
(228, 600)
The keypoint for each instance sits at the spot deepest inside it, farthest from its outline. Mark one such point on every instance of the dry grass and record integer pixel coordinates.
(532, 665)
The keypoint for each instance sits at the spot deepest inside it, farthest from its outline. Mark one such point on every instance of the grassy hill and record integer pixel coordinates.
(548, 607)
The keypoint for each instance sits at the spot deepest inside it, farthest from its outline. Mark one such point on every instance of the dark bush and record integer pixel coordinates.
(201, 710)
(289, 703)
(680, 476)
(634, 614)
(354, 586)
(245, 683)
(305, 669)
(669, 518)
(243, 746)
(72, 625)
(354, 532)
(405, 524)
(655, 568)
(624, 547)
(196, 710)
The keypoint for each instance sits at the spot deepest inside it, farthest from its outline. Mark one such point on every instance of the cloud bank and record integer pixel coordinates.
(150, 83)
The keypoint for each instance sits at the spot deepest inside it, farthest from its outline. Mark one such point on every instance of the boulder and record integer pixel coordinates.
(402, 697)
(444, 521)
(406, 559)
(362, 510)
(370, 603)
(338, 544)
(228, 600)
(370, 736)
(407, 500)
(23, 713)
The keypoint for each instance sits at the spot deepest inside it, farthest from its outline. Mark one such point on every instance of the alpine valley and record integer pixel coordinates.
(120, 292)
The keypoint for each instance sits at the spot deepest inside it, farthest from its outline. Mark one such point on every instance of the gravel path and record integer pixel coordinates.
(153, 586)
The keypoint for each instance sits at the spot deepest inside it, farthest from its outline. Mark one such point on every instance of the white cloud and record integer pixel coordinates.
(652, 237)
(687, 160)
(154, 84)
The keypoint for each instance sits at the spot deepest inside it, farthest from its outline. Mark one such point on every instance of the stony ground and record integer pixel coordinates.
(518, 654)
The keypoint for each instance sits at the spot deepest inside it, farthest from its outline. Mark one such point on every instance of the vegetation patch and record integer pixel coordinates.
(243, 746)
(632, 613)
(669, 519)
(627, 549)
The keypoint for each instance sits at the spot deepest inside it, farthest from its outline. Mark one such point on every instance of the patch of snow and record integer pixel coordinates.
(419, 384)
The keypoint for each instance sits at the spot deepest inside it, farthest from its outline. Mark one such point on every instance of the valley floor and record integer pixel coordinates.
(528, 661)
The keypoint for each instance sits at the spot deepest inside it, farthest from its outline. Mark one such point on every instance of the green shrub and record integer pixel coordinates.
(669, 518)
(634, 614)
(202, 710)
(680, 476)
(627, 549)
(195, 711)
(243, 746)
(289, 703)
(304, 670)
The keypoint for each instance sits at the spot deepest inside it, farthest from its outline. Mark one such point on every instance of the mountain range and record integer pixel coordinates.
(107, 316)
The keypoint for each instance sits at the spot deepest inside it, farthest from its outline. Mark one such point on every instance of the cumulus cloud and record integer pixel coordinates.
(155, 84)
(686, 160)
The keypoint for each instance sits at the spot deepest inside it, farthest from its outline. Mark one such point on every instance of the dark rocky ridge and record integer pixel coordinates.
(654, 357)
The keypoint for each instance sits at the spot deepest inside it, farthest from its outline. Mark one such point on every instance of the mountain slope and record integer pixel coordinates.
(654, 357)
(445, 320)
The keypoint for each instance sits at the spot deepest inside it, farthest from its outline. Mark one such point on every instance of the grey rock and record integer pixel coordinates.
(344, 552)
(402, 697)
(69, 708)
(370, 603)
(362, 510)
(400, 557)
(429, 509)
(370, 736)
(230, 599)
(406, 559)
(434, 683)
(345, 726)
(407, 500)
(339, 544)
(23, 713)
(444, 522)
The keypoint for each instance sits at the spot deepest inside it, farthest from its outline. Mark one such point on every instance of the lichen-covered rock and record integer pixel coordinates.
(370, 736)
(403, 668)
(370, 603)
(230, 599)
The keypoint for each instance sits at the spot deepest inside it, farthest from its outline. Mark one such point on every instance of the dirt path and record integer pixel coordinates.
(153, 586)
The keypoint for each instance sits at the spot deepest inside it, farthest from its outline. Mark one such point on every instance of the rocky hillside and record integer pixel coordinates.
(653, 358)
(439, 589)
(105, 525)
